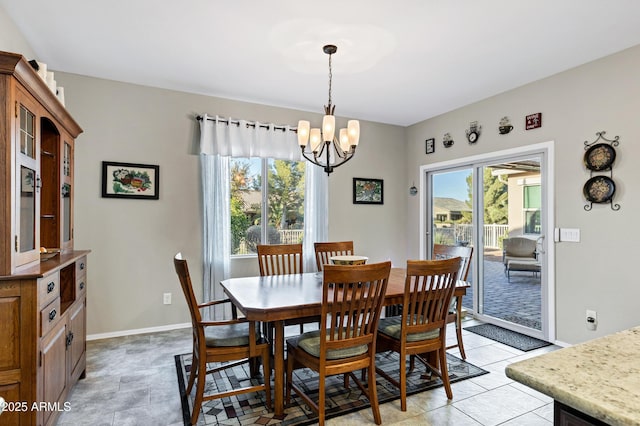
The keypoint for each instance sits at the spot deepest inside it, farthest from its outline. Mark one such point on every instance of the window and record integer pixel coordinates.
(281, 194)
(532, 204)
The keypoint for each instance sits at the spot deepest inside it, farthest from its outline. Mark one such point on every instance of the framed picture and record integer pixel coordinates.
(367, 191)
(431, 146)
(127, 180)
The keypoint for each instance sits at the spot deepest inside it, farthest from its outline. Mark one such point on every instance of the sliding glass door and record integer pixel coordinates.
(498, 206)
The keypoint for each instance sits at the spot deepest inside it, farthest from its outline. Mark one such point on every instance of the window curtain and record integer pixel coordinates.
(221, 138)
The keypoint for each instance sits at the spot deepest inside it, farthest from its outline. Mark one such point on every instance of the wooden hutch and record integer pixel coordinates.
(42, 302)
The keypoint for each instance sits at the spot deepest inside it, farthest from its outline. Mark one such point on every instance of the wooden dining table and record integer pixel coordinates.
(277, 298)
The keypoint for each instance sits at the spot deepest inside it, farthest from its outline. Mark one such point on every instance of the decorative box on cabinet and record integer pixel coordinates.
(42, 304)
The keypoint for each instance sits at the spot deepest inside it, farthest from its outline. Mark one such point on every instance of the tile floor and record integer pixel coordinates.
(132, 381)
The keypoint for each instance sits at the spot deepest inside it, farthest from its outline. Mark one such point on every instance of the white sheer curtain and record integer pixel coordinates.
(221, 138)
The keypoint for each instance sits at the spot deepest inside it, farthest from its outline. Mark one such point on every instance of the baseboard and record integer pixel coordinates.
(562, 344)
(122, 333)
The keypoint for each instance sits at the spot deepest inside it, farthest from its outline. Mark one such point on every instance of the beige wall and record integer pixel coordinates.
(598, 272)
(11, 39)
(133, 241)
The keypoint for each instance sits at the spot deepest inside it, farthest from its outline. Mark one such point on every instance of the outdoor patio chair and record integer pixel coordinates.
(520, 254)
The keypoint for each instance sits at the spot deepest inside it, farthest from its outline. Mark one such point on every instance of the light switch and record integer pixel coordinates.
(571, 235)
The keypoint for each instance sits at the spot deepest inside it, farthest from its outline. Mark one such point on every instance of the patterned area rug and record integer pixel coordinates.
(249, 409)
(507, 337)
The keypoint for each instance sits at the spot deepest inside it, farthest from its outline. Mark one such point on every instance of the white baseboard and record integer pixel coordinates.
(562, 344)
(101, 336)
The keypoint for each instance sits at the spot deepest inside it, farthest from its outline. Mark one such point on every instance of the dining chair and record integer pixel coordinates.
(441, 251)
(279, 259)
(422, 327)
(282, 259)
(326, 250)
(236, 339)
(352, 299)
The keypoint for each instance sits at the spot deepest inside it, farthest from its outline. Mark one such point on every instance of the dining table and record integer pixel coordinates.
(277, 298)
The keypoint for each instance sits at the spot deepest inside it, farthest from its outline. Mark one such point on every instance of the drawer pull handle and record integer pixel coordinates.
(81, 266)
(52, 315)
(82, 285)
(51, 286)
(69, 338)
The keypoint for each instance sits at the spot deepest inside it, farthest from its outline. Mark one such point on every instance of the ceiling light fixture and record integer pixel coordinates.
(328, 151)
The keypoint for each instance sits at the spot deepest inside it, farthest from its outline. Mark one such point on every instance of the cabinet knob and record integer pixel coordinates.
(51, 286)
(82, 285)
(52, 314)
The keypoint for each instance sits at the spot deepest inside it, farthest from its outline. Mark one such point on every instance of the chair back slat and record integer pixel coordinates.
(352, 299)
(280, 259)
(429, 286)
(325, 250)
(465, 253)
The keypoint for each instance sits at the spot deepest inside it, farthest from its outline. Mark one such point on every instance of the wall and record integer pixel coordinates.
(598, 272)
(133, 241)
(11, 39)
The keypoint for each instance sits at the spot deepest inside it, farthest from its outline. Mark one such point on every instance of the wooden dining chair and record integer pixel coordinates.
(282, 259)
(279, 259)
(441, 251)
(352, 299)
(325, 250)
(236, 339)
(422, 327)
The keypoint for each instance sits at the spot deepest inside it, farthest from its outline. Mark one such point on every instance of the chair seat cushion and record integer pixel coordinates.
(228, 335)
(392, 326)
(310, 343)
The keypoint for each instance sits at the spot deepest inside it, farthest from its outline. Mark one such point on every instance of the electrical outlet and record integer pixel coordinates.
(167, 298)
(592, 320)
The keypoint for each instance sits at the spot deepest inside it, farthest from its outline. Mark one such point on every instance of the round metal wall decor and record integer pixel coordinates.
(599, 189)
(599, 157)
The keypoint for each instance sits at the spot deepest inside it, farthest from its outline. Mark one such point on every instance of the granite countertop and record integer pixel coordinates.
(600, 377)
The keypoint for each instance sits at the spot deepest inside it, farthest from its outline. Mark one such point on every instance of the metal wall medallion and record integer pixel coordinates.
(447, 141)
(599, 157)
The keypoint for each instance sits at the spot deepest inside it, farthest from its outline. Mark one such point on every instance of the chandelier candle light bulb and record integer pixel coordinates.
(327, 151)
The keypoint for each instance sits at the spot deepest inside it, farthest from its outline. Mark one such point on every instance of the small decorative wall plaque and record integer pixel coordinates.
(473, 133)
(447, 141)
(431, 145)
(533, 121)
(505, 126)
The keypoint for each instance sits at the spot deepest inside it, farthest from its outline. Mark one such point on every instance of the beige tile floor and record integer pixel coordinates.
(132, 381)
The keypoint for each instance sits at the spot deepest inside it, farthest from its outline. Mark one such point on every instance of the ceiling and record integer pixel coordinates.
(397, 62)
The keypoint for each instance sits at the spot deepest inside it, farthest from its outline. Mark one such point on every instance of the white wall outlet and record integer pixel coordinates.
(167, 298)
(592, 320)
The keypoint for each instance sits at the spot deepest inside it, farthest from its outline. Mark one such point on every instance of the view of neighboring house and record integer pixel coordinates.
(449, 209)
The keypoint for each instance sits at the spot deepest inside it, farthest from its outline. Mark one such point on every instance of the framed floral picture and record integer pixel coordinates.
(368, 191)
(127, 180)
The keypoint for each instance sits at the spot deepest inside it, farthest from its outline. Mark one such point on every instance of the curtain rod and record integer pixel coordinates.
(249, 124)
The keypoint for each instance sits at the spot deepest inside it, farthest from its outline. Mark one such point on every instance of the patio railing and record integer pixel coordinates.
(463, 233)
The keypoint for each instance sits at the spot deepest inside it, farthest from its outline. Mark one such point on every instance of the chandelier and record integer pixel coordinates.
(327, 151)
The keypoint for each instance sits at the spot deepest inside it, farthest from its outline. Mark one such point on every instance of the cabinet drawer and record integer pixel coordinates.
(81, 286)
(49, 316)
(81, 267)
(48, 289)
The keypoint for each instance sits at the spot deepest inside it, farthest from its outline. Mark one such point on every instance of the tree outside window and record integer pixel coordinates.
(282, 194)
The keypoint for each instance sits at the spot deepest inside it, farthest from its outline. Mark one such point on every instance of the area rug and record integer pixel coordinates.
(507, 337)
(249, 409)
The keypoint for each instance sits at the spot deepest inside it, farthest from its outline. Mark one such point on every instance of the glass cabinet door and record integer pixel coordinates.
(27, 238)
(67, 183)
